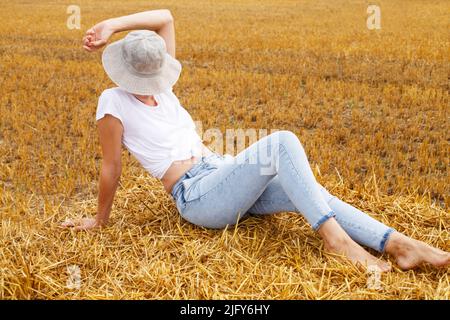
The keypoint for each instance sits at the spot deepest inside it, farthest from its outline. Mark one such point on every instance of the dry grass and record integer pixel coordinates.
(371, 109)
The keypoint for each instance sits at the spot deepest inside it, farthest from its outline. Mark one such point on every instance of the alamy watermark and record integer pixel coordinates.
(74, 19)
(74, 277)
(373, 21)
(374, 278)
(238, 146)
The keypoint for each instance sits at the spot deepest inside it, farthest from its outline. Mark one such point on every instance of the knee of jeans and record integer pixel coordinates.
(287, 139)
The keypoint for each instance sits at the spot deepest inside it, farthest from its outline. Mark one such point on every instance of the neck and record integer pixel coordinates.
(148, 100)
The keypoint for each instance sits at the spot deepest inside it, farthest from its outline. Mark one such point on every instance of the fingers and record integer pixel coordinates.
(76, 226)
(86, 41)
(79, 228)
(90, 45)
(83, 228)
(68, 224)
(98, 43)
(88, 48)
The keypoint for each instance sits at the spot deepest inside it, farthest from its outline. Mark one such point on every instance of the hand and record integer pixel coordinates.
(97, 36)
(81, 224)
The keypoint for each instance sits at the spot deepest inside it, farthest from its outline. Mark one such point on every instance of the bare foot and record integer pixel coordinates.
(410, 253)
(356, 254)
(337, 241)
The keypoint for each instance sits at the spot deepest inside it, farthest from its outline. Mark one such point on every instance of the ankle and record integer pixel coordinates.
(337, 242)
(399, 244)
(334, 237)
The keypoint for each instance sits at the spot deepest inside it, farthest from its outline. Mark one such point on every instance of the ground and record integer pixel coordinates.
(370, 107)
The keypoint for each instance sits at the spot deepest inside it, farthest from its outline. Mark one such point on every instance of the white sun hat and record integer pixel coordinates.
(140, 64)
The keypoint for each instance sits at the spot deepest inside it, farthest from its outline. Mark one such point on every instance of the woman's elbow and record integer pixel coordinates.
(167, 15)
(113, 170)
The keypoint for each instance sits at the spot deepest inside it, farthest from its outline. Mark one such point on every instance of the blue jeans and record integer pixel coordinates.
(272, 175)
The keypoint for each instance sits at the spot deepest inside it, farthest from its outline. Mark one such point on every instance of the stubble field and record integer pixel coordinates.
(371, 108)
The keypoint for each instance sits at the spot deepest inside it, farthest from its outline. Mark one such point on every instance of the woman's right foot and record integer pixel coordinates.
(337, 241)
(410, 253)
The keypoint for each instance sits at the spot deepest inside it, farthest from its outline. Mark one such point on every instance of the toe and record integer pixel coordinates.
(385, 267)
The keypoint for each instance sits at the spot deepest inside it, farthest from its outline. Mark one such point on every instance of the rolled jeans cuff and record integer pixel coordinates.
(323, 219)
(385, 239)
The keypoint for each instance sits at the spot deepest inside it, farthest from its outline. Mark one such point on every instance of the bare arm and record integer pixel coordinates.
(110, 134)
(110, 131)
(160, 21)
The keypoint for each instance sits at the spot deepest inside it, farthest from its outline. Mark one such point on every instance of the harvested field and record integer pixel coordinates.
(371, 108)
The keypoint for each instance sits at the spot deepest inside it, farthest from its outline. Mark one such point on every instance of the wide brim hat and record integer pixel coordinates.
(135, 82)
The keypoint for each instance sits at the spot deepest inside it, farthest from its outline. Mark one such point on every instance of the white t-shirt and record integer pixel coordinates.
(157, 135)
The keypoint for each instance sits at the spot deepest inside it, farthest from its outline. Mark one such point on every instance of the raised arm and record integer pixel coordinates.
(160, 21)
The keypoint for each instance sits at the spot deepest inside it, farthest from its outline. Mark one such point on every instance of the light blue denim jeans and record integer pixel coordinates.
(272, 175)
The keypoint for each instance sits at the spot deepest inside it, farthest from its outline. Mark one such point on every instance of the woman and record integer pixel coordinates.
(209, 189)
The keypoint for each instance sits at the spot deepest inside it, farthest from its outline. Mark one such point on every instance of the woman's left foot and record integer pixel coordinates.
(410, 253)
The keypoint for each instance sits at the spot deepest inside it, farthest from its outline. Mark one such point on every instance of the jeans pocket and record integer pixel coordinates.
(193, 186)
(191, 193)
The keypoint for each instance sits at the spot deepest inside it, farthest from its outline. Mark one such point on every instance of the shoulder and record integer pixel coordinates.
(109, 102)
(116, 97)
(112, 93)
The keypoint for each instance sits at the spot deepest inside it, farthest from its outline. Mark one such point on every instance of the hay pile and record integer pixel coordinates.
(149, 252)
